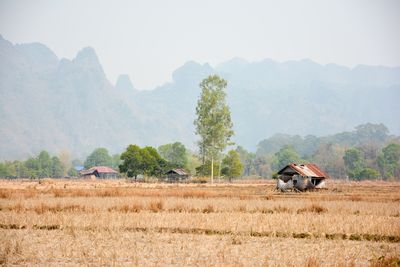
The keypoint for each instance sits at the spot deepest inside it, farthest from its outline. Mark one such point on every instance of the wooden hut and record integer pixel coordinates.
(101, 172)
(301, 177)
(176, 175)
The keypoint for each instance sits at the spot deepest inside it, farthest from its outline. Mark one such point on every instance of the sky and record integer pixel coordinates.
(149, 39)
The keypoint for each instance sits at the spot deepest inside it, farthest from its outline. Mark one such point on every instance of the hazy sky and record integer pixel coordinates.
(149, 39)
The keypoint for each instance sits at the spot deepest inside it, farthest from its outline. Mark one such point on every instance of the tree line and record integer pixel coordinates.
(368, 152)
(41, 166)
(132, 162)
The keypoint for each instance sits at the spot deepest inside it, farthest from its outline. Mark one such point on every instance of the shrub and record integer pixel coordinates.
(315, 208)
(209, 209)
(156, 206)
(385, 261)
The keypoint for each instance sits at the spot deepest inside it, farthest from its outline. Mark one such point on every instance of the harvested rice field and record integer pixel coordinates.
(248, 223)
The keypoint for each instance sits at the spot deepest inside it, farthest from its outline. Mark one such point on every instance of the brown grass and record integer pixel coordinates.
(43, 208)
(129, 192)
(127, 208)
(384, 261)
(210, 208)
(313, 208)
(312, 262)
(156, 206)
(4, 193)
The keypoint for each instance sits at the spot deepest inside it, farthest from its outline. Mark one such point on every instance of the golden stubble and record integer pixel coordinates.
(118, 222)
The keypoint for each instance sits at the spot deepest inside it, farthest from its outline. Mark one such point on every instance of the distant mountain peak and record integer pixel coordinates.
(233, 65)
(193, 71)
(38, 53)
(87, 59)
(87, 54)
(124, 83)
(4, 41)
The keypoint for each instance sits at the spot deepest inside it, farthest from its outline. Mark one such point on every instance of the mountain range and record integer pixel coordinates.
(53, 104)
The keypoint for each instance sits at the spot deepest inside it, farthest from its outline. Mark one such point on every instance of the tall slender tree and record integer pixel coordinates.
(213, 122)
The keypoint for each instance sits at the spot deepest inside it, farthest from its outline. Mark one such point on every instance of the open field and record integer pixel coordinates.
(115, 222)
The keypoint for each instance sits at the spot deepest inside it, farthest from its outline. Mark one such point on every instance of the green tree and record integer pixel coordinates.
(263, 165)
(4, 170)
(15, 168)
(19, 169)
(231, 165)
(392, 153)
(57, 168)
(367, 173)
(31, 167)
(285, 156)
(205, 169)
(248, 161)
(152, 163)
(115, 161)
(371, 132)
(193, 162)
(72, 172)
(136, 160)
(389, 161)
(132, 160)
(99, 157)
(44, 164)
(175, 154)
(354, 162)
(213, 122)
(329, 157)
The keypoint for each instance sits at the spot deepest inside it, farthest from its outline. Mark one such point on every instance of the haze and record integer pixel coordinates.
(150, 39)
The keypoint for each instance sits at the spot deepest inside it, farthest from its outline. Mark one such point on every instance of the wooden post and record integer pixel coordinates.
(212, 169)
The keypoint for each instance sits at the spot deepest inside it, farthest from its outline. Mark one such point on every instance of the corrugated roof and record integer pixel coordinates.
(178, 171)
(309, 169)
(99, 169)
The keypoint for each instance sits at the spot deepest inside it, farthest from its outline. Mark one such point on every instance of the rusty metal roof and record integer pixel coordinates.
(99, 169)
(309, 169)
(178, 171)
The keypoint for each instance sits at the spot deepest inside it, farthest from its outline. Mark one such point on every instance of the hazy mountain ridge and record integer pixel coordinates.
(52, 104)
(71, 106)
(300, 97)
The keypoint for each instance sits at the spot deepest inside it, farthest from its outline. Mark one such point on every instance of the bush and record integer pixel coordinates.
(368, 173)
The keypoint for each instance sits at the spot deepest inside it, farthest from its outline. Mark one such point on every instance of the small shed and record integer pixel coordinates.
(102, 172)
(301, 177)
(176, 175)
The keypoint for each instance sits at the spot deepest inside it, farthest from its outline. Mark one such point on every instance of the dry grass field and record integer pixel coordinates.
(116, 222)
